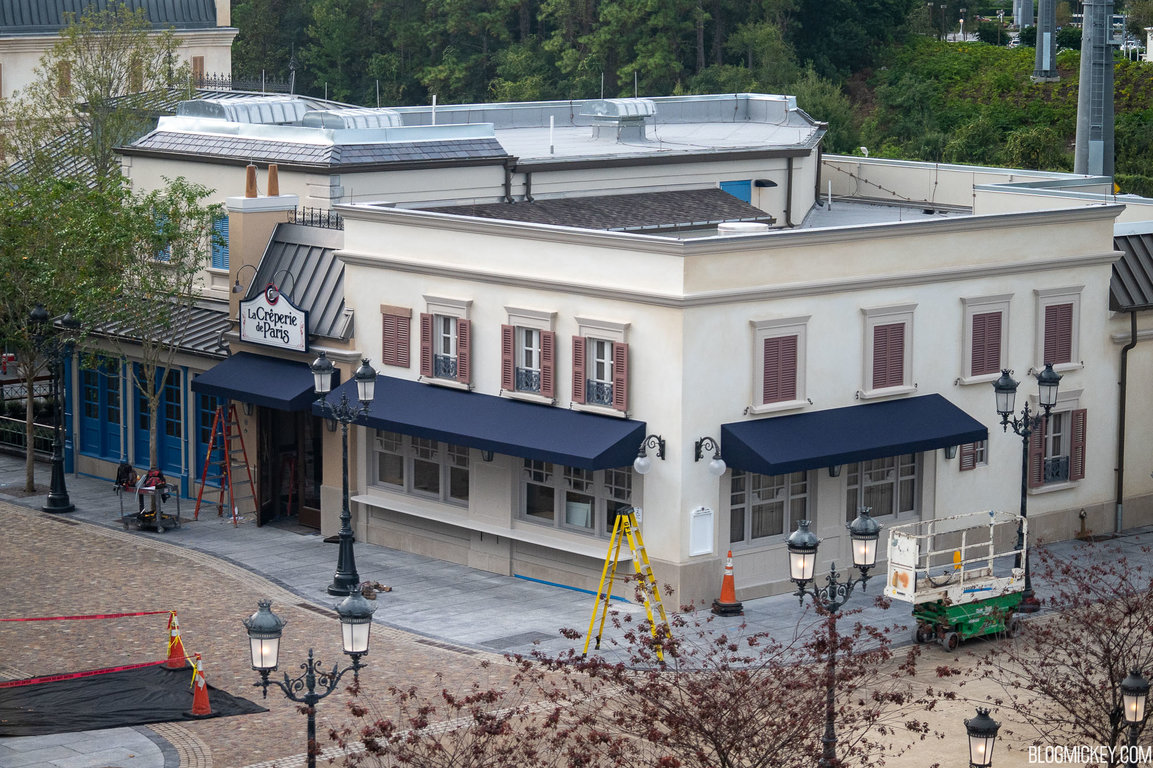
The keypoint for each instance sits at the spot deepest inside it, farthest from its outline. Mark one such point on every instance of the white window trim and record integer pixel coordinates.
(773, 541)
(1049, 297)
(873, 317)
(559, 484)
(1067, 402)
(458, 308)
(769, 329)
(981, 306)
(530, 318)
(602, 329)
(407, 455)
(606, 330)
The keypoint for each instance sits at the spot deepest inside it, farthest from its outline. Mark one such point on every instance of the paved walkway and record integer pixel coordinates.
(434, 609)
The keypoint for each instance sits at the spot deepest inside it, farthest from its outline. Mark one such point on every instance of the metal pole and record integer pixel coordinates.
(829, 740)
(58, 500)
(346, 578)
(1025, 428)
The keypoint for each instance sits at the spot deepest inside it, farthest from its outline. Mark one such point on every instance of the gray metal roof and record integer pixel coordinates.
(202, 327)
(308, 254)
(288, 152)
(647, 212)
(38, 17)
(1131, 287)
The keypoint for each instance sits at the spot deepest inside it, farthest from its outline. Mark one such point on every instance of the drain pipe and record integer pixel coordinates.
(1120, 506)
(789, 194)
(508, 181)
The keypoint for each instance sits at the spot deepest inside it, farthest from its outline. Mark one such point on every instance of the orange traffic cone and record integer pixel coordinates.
(727, 604)
(177, 656)
(200, 705)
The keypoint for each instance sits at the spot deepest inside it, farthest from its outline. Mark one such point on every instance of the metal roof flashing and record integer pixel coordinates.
(303, 134)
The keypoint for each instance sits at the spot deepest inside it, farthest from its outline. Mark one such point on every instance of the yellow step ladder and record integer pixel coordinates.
(626, 528)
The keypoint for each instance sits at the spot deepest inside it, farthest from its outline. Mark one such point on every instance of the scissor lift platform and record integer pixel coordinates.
(962, 574)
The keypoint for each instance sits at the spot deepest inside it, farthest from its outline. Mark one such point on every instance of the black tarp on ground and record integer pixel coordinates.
(111, 700)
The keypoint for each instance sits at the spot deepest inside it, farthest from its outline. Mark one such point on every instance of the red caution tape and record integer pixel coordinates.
(92, 616)
(74, 675)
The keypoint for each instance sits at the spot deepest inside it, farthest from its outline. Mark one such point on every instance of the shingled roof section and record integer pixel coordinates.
(321, 155)
(647, 212)
(39, 17)
(1131, 287)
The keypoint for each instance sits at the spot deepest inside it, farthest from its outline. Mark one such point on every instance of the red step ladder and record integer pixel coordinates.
(232, 470)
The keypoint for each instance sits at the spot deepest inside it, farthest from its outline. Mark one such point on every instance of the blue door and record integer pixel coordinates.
(99, 407)
(742, 190)
(206, 406)
(170, 428)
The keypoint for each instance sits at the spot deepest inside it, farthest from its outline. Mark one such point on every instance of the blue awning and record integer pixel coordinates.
(499, 424)
(847, 435)
(269, 381)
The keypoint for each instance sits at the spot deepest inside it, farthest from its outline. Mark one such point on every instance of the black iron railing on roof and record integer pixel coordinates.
(317, 217)
(220, 82)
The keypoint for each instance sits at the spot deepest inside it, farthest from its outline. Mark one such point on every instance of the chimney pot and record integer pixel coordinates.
(250, 181)
(273, 181)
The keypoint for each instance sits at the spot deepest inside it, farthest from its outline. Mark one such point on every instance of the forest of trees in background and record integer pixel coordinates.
(879, 72)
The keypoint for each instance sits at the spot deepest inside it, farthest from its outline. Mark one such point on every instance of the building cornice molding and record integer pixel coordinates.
(778, 238)
(729, 296)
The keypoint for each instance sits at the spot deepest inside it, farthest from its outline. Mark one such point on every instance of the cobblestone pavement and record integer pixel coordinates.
(440, 620)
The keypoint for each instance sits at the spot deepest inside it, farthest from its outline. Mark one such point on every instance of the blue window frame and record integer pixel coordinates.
(100, 410)
(742, 190)
(206, 406)
(171, 427)
(220, 243)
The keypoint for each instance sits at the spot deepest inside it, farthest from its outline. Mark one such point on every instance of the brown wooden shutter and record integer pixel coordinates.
(1037, 455)
(888, 355)
(548, 364)
(968, 456)
(463, 348)
(1058, 333)
(578, 369)
(1077, 445)
(620, 376)
(425, 344)
(779, 370)
(508, 357)
(395, 339)
(986, 342)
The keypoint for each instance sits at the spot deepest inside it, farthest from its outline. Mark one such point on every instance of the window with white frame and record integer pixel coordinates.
(1058, 327)
(762, 507)
(779, 364)
(888, 358)
(570, 498)
(986, 338)
(600, 364)
(973, 455)
(887, 486)
(445, 341)
(421, 467)
(528, 354)
(1057, 445)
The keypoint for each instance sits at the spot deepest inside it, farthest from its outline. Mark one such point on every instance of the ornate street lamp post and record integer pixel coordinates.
(56, 348)
(264, 631)
(1134, 690)
(982, 731)
(346, 579)
(1006, 392)
(802, 545)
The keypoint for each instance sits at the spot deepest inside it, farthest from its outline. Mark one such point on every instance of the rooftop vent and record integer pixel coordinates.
(260, 110)
(619, 120)
(729, 228)
(352, 118)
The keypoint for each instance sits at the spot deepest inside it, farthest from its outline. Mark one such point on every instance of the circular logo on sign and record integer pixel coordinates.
(271, 293)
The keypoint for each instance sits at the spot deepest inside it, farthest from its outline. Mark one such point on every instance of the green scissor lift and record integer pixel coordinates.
(960, 573)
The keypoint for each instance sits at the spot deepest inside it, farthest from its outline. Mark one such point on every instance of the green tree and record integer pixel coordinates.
(270, 32)
(58, 240)
(993, 33)
(1036, 147)
(101, 57)
(1069, 37)
(824, 100)
(157, 284)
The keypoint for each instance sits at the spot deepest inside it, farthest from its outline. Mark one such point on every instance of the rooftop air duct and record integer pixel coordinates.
(620, 120)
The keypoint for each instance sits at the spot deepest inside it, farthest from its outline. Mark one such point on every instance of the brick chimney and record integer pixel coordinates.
(251, 221)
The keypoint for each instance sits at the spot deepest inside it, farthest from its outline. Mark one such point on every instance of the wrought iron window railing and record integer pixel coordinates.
(527, 380)
(599, 392)
(1057, 469)
(444, 367)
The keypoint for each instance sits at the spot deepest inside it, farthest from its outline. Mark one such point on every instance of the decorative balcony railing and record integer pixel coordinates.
(599, 393)
(444, 367)
(1057, 469)
(527, 380)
